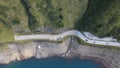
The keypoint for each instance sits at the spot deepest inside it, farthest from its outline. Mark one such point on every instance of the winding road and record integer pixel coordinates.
(59, 37)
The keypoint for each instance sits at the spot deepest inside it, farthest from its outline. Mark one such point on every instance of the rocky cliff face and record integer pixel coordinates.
(69, 48)
(17, 51)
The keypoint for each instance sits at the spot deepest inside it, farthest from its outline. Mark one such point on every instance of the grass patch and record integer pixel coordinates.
(6, 33)
(3, 46)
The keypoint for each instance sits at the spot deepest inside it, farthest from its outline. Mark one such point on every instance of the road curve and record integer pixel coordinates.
(59, 37)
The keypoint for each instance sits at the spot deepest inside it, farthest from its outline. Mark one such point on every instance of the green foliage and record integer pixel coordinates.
(6, 33)
(32, 22)
(15, 21)
(102, 18)
(54, 14)
(3, 9)
(12, 16)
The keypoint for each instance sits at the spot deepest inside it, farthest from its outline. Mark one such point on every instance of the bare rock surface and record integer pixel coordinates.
(108, 56)
(68, 48)
(18, 51)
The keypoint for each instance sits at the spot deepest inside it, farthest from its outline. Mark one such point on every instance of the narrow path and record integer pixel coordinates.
(59, 37)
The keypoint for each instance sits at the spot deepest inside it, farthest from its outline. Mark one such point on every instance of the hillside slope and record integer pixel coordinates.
(101, 18)
(48, 16)
(22, 17)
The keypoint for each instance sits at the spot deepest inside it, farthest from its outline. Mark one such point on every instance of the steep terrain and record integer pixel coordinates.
(102, 18)
(69, 48)
(23, 17)
(47, 16)
(13, 20)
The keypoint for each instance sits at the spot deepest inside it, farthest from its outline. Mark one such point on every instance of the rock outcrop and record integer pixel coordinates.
(69, 48)
(20, 51)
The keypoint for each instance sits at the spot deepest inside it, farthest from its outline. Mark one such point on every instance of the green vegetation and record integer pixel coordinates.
(13, 13)
(53, 14)
(13, 20)
(20, 17)
(6, 33)
(101, 18)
